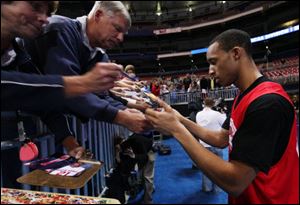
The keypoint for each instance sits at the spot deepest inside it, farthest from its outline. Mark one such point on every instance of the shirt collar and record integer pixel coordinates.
(83, 20)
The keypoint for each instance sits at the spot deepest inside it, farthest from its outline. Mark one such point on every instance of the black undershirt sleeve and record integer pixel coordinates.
(264, 134)
(226, 123)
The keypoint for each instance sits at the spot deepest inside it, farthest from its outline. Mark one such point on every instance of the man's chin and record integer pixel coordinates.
(112, 44)
(220, 82)
(224, 84)
(105, 46)
(32, 35)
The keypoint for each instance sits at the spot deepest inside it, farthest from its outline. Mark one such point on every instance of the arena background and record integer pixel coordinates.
(168, 40)
(166, 36)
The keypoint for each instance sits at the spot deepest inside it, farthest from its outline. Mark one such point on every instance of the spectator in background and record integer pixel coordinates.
(187, 81)
(164, 89)
(130, 70)
(211, 83)
(147, 86)
(193, 77)
(173, 93)
(173, 79)
(155, 89)
(180, 87)
(212, 120)
(204, 85)
(193, 87)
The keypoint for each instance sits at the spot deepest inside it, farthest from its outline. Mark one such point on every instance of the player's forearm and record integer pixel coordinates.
(231, 177)
(214, 138)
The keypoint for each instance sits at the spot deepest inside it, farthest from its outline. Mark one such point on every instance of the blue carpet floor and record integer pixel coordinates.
(177, 183)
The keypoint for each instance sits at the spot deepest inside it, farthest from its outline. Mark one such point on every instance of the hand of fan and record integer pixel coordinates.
(152, 99)
(87, 158)
(128, 76)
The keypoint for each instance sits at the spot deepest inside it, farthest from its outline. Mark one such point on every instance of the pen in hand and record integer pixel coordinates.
(127, 76)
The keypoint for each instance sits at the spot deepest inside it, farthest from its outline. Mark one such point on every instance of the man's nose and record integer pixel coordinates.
(43, 18)
(120, 37)
(211, 71)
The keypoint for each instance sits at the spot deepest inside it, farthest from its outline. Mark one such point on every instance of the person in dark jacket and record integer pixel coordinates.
(35, 93)
(24, 91)
(74, 46)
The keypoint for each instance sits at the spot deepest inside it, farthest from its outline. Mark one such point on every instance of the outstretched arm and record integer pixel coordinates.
(233, 176)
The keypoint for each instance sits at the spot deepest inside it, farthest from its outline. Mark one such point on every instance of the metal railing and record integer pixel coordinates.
(95, 136)
(174, 98)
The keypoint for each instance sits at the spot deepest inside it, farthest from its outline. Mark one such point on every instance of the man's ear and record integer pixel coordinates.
(98, 15)
(237, 52)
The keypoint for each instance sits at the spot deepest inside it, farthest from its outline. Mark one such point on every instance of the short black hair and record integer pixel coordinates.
(234, 37)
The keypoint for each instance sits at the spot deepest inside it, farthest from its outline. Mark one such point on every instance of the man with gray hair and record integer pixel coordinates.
(78, 44)
(30, 92)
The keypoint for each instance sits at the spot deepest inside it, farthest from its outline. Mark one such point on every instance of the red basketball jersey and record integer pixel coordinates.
(281, 185)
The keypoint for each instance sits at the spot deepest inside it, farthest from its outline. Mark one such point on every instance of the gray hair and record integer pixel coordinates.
(111, 8)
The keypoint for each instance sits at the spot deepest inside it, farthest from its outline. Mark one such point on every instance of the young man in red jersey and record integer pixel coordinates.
(263, 164)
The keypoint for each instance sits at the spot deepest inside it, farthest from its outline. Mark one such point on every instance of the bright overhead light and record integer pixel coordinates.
(190, 9)
(290, 23)
(158, 9)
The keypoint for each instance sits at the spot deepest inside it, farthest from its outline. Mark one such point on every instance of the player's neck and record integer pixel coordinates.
(249, 74)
